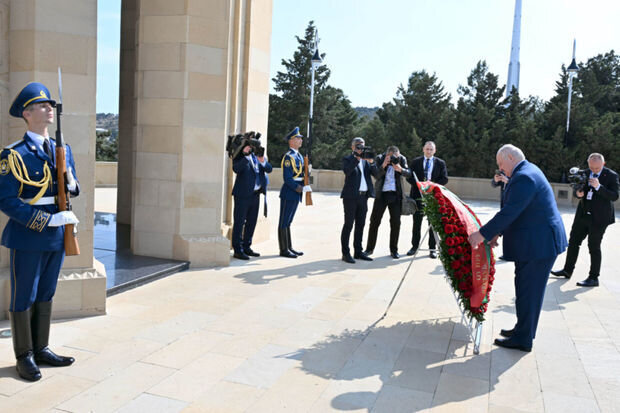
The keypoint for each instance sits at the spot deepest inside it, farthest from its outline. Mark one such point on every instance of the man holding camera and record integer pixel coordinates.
(251, 181)
(427, 168)
(595, 212)
(357, 169)
(290, 194)
(389, 194)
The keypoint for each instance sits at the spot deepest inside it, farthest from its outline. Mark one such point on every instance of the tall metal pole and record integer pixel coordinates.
(514, 66)
(315, 62)
(572, 71)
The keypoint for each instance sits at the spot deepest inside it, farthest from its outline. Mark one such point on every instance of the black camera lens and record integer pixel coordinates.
(394, 160)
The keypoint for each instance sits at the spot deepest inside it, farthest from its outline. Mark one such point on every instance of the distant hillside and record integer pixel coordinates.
(108, 121)
(364, 112)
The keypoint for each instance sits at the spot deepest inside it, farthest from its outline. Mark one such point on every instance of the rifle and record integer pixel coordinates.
(64, 204)
(307, 163)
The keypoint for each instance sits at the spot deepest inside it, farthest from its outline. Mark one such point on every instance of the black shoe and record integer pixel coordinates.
(287, 254)
(395, 255)
(27, 368)
(348, 258)
(433, 254)
(506, 343)
(282, 240)
(588, 282)
(412, 251)
(362, 256)
(47, 356)
(507, 333)
(241, 255)
(368, 252)
(251, 252)
(501, 258)
(562, 273)
(288, 243)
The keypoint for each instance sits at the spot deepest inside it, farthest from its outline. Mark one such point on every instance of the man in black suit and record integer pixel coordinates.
(250, 182)
(595, 212)
(427, 168)
(389, 194)
(355, 193)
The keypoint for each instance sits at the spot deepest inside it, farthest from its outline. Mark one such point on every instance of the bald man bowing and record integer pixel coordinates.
(534, 236)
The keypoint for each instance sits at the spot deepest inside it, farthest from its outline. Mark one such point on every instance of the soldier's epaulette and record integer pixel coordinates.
(11, 146)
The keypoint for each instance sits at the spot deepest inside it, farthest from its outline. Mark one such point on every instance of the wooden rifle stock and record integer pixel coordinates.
(307, 180)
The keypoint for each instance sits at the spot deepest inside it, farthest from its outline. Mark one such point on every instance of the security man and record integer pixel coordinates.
(250, 182)
(290, 194)
(35, 231)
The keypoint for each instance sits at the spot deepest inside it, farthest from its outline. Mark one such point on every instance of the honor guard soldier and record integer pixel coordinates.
(290, 194)
(35, 231)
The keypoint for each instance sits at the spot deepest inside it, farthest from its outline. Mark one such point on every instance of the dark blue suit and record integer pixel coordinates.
(293, 176)
(533, 236)
(249, 175)
(36, 249)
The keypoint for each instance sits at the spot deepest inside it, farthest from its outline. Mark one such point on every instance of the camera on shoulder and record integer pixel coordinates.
(366, 153)
(236, 143)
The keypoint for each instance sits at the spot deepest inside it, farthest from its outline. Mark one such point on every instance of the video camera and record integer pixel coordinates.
(236, 143)
(367, 152)
(578, 178)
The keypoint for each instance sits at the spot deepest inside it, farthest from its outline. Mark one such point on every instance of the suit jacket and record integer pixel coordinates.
(293, 175)
(380, 176)
(529, 221)
(28, 227)
(602, 204)
(439, 174)
(353, 177)
(246, 176)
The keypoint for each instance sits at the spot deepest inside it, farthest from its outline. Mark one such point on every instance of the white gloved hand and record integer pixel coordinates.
(63, 218)
(307, 188)
(71, 184)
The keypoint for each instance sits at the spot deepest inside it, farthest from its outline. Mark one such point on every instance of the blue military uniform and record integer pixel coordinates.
(290, 195)
(28, 192)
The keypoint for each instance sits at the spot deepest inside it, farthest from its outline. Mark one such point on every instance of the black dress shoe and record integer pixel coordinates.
(251, 252)
(561, 273)
(299, 253)
(47, 356)
(241, 256)
(507, 333)
(506, 343)
(287, 254)
(588, 282)
(395, 255)
(412, 251)
(348, 258)
(368, 252)
(27, 368)
(362, 256)
(433, 254)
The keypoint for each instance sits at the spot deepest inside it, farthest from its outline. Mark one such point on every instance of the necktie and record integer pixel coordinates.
(256, 170)
(428, 163)
(594, 175)
(47, 149)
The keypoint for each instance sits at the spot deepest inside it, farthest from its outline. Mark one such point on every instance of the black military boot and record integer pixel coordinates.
(288, 242)
(284, 251)
(22, 345)
(41, 319)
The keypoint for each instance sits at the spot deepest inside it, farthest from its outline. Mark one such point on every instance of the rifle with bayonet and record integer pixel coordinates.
(64, 204)
(307, 164)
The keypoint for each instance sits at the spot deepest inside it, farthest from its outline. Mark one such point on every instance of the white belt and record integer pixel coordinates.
(46, 200)
(298, 179)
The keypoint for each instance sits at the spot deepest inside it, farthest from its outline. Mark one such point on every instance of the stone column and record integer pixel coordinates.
(194, 84)
(42, 36)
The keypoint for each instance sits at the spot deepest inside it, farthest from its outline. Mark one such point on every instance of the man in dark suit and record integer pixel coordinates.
(250, 182)
(355, 193)
(595, 212)
(389, 194)
(427, 168)
(533, 235)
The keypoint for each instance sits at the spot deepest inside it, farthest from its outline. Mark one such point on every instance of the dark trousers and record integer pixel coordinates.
(287, 212)
(34, 275)
(245, 215)
(582, 228)
(530, 284)
(392, 201)
(417, 232)
(355, 210)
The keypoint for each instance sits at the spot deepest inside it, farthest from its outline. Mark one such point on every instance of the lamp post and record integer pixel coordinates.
(572, 70)
(316, 62)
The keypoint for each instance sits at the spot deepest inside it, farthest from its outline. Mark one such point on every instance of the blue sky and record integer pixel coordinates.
(373, 46)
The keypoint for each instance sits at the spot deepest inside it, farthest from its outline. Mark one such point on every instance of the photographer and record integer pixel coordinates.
(389, 194)
(357, 168)
(250, 182)
(595, 212)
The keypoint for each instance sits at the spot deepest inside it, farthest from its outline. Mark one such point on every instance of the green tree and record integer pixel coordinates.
(106, 148)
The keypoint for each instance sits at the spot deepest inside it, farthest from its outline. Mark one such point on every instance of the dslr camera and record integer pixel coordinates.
(394, 159)
(236, 143)
(367, 152)
(578, 179)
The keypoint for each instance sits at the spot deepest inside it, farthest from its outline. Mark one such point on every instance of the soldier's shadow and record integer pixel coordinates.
(314, 269)
(403, 367)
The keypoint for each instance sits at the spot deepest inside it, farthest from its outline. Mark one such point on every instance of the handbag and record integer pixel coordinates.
(409, 206)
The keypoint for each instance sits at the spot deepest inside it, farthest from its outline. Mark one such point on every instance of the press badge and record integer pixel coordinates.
(589, 196)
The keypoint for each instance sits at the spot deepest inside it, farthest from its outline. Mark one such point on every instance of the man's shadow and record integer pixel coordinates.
(387, 352)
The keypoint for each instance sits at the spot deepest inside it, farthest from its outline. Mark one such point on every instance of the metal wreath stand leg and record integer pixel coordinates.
(473, 326)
